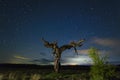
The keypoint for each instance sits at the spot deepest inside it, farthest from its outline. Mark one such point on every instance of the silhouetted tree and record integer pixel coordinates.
(57, 51)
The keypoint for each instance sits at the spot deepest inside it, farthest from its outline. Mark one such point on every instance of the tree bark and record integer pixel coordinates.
(57, 65)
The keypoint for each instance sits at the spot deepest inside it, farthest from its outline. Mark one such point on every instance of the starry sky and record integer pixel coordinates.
(24, 22)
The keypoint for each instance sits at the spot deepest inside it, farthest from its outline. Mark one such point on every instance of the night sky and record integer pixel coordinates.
(24, 22)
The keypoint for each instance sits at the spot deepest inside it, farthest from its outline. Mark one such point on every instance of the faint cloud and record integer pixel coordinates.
(84, 51)
(19, 60)
(20, 57)
(106, 41)
(42, 61)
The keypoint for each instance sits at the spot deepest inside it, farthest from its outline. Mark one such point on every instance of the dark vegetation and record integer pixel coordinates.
(101, 69)
(46, 72)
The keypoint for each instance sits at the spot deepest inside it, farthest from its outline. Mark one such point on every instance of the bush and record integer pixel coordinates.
(100, 70)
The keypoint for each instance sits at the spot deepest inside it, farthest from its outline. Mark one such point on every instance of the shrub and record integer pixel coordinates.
(100, 70)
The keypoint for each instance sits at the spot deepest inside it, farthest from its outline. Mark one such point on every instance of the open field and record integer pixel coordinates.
(35, 72)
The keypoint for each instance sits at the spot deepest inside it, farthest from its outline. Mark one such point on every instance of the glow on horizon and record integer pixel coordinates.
(78, 60)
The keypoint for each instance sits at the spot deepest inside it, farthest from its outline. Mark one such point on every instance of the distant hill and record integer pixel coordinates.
(34, 66)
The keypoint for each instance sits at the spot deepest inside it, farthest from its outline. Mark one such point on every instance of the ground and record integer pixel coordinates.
(35, 72)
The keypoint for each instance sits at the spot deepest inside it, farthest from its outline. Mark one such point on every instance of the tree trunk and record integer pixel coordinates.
(57, 65)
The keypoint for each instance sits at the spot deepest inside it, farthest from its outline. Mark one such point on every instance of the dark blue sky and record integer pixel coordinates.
(24, 22)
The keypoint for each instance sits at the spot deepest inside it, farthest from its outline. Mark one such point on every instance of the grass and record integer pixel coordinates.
(63, 76)
(41, 75)
(46, 74)
(26, 72)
